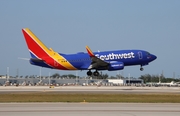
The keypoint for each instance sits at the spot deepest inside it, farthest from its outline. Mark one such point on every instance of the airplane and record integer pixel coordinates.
(102, 60)
(172, 83)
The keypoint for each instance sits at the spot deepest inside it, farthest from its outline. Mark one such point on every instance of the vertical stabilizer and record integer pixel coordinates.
(36, 48)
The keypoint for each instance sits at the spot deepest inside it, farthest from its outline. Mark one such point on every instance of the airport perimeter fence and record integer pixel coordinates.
(72, 82)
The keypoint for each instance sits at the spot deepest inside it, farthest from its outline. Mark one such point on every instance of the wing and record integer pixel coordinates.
(96, 63)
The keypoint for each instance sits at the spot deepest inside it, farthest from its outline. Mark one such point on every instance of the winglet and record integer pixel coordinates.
(91, 54)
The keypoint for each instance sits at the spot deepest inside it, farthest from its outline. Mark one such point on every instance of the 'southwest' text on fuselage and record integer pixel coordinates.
(113, 56)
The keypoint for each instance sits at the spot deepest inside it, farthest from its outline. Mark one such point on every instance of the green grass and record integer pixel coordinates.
(78, 97)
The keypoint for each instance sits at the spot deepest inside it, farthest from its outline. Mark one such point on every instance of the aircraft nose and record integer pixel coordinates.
(153, 57)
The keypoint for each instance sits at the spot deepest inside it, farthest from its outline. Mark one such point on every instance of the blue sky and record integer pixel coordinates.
(69, 25)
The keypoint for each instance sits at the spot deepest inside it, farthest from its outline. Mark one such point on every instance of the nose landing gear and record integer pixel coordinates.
(141, 68)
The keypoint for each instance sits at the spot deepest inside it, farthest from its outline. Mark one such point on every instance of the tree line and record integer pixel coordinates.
(157, 78)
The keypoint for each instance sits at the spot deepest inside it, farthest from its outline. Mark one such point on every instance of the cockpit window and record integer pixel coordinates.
(148, 54)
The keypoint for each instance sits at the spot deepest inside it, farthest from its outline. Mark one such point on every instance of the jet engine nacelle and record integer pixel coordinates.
(116, 66)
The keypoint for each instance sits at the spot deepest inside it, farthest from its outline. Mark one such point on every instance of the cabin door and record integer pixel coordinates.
(140, 55)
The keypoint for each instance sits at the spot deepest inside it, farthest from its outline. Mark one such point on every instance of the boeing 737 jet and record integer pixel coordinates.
(104, 60)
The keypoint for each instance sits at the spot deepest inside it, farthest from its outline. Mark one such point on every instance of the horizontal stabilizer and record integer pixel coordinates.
(23, 58)
(36, 60)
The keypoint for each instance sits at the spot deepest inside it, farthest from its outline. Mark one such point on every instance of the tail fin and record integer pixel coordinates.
(41, 55)
(36, 48)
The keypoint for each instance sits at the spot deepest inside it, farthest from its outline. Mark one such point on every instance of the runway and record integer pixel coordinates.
(90, 89)
(89, 109)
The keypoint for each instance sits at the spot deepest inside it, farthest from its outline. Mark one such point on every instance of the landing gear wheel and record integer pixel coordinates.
(141, 69)
(96, 73)
(89, 73)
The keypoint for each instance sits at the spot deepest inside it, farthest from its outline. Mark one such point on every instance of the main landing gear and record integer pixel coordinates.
(95, 73)
(141, 68)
